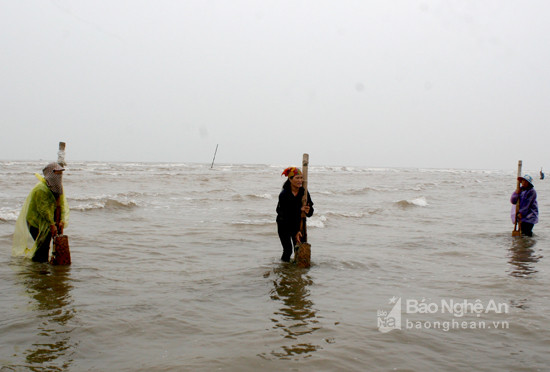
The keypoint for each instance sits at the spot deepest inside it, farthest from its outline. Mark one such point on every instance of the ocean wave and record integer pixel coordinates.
(239, 197)
(360, 191)
(105, 203)
(341, 264)
(258, 222)
(7, 214)
(379, 189)
(317, 221)
(346, 215)
(352, 169)
(260, 196)
(417, 202)
(325, 192)
(314, 222)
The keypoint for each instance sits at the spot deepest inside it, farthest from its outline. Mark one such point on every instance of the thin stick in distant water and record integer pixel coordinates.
(212, 166)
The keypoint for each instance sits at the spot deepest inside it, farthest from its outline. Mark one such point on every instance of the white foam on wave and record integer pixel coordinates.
(347, 214)
(317, 221)
(259, 222)
(325, 192)
(263, 196)
(104, 202)
(314, 222)
(7, 214)
(417, 202)
(421, 202)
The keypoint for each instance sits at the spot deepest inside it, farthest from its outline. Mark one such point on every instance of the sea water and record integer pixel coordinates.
(177, 267)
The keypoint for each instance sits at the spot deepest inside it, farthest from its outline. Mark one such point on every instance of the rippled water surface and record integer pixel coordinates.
(176, 267)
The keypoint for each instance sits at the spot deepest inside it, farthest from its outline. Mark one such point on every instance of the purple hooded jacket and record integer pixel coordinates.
(528, 206)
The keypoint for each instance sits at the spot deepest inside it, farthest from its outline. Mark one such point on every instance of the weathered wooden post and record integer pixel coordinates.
(302, 251)
(61, 255)
(517, 226)
(61, 154)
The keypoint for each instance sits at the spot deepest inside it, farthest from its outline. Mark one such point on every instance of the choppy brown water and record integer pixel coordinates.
(175, 267)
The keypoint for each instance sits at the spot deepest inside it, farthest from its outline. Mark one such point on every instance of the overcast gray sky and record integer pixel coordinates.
(397, 83)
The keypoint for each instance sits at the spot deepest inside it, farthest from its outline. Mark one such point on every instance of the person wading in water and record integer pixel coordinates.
(289, 211)
(526, 196)
(36, 223)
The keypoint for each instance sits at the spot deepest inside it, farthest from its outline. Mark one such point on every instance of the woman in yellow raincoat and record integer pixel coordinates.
(36, 223)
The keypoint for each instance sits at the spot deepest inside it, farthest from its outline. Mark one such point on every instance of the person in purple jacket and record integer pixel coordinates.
(528, 207)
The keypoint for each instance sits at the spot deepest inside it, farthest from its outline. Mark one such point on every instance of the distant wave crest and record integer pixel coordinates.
(258, 222)
(417, 202)
(317, 221)
(361, 191)
(104, 202)
(346, 215)
(261, 196)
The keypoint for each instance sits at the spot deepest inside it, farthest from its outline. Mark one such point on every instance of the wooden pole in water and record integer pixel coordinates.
(517, 225)
(61, 254)
(302, 251)
(212, 166)
(305, 164)
(61, 154)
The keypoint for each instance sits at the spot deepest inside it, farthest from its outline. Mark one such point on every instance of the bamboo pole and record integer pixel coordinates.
(517, 225)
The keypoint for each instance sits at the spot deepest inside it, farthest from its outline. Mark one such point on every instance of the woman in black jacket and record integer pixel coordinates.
(289, 211)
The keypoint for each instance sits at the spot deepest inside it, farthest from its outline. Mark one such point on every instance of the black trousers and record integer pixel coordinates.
(42, 252)
(288, 241)
(527, 229)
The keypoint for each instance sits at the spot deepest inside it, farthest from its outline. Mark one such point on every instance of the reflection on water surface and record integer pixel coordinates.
(50, 310)
(295, 317)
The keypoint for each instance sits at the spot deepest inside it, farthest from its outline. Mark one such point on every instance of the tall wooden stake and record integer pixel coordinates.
(61, 154)
(517, 226)
(302, 251)
(61, 254)
(212, 166)
(305, 164)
